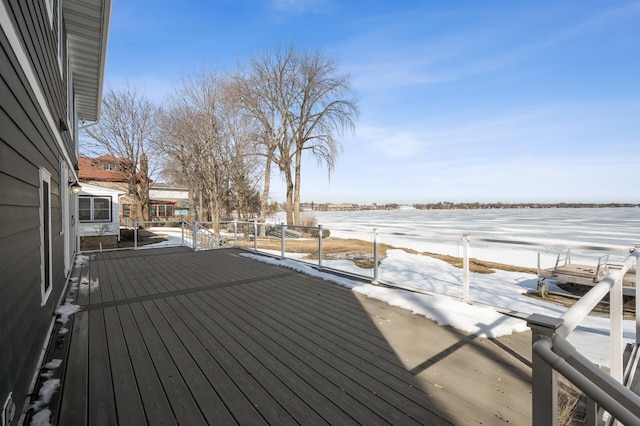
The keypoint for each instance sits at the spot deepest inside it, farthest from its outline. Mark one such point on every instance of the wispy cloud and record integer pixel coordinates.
(390, 143)
(387, 57)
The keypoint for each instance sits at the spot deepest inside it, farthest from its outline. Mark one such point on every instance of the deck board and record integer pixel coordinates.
(101, 399)
(125, 389)
(173, 336)
(155, 402)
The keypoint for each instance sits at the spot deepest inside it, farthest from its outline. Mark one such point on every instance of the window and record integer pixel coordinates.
(45, 235)
(94, 209)
(161, 210)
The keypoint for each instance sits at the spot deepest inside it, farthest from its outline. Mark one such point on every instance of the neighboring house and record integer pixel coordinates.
(52, 59)
(166, 202)
(98, 216)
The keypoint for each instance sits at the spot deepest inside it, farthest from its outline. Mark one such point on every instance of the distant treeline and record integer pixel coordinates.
(445, 205)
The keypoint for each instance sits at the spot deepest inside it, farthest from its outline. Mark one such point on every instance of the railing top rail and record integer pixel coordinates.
(488, 238)
(576, 313)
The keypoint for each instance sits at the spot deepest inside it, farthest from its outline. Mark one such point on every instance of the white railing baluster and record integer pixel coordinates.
(465, 268)
(320, 246)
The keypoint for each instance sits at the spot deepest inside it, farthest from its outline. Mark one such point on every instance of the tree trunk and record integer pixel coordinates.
(264, 199)
(296, 195)
(290, 191)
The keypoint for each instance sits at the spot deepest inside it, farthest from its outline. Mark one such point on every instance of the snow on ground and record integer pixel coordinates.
(502, 289)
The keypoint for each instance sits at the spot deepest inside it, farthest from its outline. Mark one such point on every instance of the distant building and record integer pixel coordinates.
(98, 216)
(166, 202)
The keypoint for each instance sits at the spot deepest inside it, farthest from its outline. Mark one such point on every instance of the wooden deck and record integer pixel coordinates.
(171, 336)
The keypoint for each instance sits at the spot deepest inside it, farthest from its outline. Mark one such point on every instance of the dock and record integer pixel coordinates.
(173, 336)
(582, 275)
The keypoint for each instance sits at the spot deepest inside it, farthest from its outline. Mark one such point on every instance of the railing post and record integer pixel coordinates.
(636, 247)
(375, 256)
(320, 246)
(182, 232)
(235, 233)
(283, 228)
(194, 231)
(615, 319)
(135, 235)
(591, 412)
(465, 268)
(255, 235)
(544, 383)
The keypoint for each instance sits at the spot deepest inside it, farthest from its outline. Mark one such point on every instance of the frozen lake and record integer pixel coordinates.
(612, 230)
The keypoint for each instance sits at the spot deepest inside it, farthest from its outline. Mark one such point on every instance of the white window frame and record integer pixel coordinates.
(71, 98)
(92, 214)
(46, 274)
(60, 40)
(49, 4)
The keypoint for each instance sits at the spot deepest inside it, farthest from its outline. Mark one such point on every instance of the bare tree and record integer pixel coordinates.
(326, 109)
(196, 134)
(302, 104)
(124, 131)
(265, 93)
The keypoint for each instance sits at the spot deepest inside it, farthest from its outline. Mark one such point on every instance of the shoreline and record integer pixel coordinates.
(335, 245)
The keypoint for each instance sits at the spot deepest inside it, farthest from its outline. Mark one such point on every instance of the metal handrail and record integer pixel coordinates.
(574, 315)
(553, 353)
(615, 398)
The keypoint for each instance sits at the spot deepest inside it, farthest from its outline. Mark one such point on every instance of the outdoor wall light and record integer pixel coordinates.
(63, 126)
(75, 187)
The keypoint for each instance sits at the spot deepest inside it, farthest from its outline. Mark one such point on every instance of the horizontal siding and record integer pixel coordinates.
(22, 121)
(26, 144)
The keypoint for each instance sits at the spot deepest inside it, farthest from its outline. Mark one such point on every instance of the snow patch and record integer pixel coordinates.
(45, 393)
(41, 418)
(81, 260)
(89, 287)
(65, 311)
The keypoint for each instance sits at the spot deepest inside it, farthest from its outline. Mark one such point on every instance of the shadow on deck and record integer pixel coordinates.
(172, 336)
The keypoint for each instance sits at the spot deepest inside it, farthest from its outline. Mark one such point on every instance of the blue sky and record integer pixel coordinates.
(489, 101)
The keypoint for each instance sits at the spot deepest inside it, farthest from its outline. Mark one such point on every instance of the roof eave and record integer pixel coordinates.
(87, 24)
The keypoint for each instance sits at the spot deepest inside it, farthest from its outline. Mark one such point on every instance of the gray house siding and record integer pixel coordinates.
(27, 144)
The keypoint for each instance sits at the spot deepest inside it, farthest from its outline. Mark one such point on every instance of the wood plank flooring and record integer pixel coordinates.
(172, 336)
